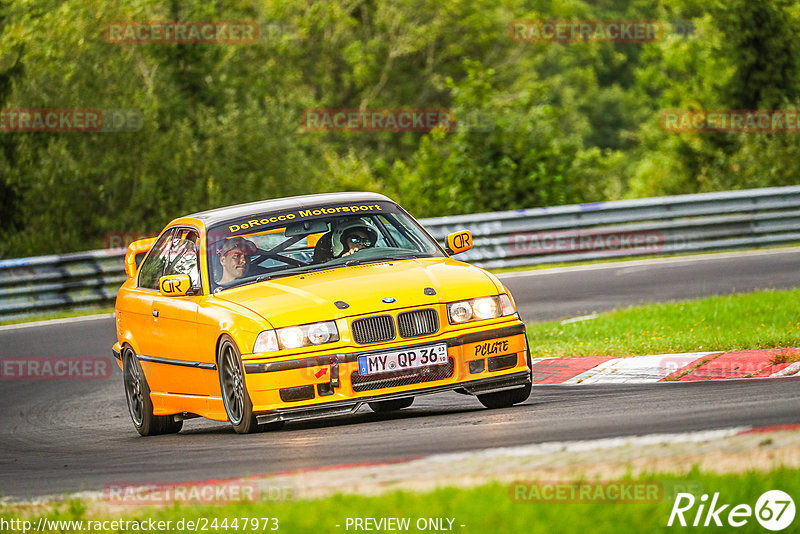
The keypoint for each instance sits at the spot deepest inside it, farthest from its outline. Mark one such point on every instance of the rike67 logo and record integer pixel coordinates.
(774, 510)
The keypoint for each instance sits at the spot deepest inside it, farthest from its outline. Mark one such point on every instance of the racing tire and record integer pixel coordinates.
(140, 406)
(391, 405)
(504, 399)
(237, 401)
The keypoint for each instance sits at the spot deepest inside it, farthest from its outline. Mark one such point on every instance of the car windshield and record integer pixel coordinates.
(266, 246)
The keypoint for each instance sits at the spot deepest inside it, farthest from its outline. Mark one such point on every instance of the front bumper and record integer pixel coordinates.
(479, 361)
(473, 387)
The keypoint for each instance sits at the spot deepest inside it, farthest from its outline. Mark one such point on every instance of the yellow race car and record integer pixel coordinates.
(307, 307)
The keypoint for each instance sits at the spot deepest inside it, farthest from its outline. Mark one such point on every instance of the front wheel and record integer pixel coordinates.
(504, 399)
(237, 401)
(140, 406)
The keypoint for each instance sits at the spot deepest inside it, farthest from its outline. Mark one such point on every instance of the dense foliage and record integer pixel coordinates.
(570, 122)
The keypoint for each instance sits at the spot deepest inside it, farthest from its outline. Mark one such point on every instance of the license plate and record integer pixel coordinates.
(400, 360)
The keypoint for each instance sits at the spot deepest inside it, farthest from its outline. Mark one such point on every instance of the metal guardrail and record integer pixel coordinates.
(31, 286)
(660, 225)
(663, 225)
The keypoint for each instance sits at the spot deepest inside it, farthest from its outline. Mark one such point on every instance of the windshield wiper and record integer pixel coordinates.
(326, 267)
(396, 257)
(310, 269)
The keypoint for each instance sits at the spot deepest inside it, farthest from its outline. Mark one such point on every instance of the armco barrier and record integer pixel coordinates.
(30, 286)
(663, 225)
(660, 225)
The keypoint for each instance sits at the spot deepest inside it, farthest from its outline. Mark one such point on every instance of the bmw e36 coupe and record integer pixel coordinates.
(308, 307)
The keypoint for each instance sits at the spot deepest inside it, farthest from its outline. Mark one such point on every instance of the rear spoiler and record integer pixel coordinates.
(135, 254)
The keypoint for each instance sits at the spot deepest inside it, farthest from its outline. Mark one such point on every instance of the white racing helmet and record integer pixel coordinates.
(338, 244)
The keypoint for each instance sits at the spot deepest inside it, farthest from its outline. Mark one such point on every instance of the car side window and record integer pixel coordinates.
(153, 265)
(184, 255)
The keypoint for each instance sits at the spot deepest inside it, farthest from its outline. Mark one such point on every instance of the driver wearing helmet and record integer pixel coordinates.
(234, 256)
(351, 237)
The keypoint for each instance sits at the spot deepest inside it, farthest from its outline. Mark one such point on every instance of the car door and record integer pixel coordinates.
(175, 328)
(136, 306)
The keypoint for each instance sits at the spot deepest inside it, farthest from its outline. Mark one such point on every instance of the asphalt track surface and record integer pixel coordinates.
(571, 291)
(68, 436)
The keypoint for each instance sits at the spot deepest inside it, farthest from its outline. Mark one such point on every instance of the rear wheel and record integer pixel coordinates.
(140, 406)
(237, 401)
(391, 405)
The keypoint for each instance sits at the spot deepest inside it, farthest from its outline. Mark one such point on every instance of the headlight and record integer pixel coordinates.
(507, 305)
(291, 337)
(266, 342)
(480, 309)
(486, 308)
(320, 333)
(294, 337)
(460, 312)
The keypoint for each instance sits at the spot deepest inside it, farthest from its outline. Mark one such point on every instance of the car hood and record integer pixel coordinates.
(310, 297)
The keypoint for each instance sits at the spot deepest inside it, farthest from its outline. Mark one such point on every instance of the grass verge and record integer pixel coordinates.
(759, 320)
(495, 507)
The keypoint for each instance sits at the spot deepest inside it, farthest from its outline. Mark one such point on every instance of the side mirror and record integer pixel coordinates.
(174, 285)
(459, 242)
(135, 254)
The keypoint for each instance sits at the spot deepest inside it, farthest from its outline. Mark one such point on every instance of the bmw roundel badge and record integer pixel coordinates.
(389, 300)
